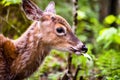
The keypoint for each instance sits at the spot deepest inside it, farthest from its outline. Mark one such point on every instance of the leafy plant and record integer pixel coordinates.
(109, 36)
(102, 39)
(108, 64)
(9, 2)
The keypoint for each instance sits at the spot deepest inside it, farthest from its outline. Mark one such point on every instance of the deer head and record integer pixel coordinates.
(55, 30)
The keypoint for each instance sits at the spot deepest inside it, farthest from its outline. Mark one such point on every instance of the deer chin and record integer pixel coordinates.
(78, 53)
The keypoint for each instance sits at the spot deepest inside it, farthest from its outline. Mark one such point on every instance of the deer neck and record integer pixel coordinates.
(31, 52)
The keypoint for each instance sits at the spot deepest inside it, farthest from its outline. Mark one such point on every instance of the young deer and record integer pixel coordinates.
(20, 58)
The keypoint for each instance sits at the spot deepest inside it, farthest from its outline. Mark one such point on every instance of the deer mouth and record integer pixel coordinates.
(79, 51)
(76, 51)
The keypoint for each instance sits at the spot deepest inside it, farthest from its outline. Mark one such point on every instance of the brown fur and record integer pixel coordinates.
(7, 55)
(20, 58)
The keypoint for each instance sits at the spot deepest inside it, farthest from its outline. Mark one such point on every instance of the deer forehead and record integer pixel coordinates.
(57, 20)
(61, 22)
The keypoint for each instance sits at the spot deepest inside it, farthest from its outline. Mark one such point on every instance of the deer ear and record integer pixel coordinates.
(51, 7)
(31, 10)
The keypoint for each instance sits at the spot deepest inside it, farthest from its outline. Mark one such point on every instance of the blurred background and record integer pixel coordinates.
(98, 27)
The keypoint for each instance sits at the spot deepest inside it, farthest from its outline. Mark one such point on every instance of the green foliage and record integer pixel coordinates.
(112, 19)
(109, 36)
(81, 15)
(9, 2)
(118, 20)
(102, 39)
(108, 64)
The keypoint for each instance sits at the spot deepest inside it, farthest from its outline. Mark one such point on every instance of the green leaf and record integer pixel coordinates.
(107, 34)
(9, 2)
(110, 19)
(81, 15)
(117, 39)
(118, 20)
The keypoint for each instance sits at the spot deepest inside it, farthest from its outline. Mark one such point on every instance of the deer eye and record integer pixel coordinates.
(60, 31)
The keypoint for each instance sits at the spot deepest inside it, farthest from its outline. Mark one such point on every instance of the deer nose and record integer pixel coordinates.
(84, 49)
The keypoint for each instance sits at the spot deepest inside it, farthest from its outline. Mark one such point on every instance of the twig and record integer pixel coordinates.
(68, 75)
(8, 12)
(69, 62)
(12, 26)
(75, 8)
(77, 71)
(65, 77)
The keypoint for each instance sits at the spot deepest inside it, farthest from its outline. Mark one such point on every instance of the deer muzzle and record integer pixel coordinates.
(79, 49)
